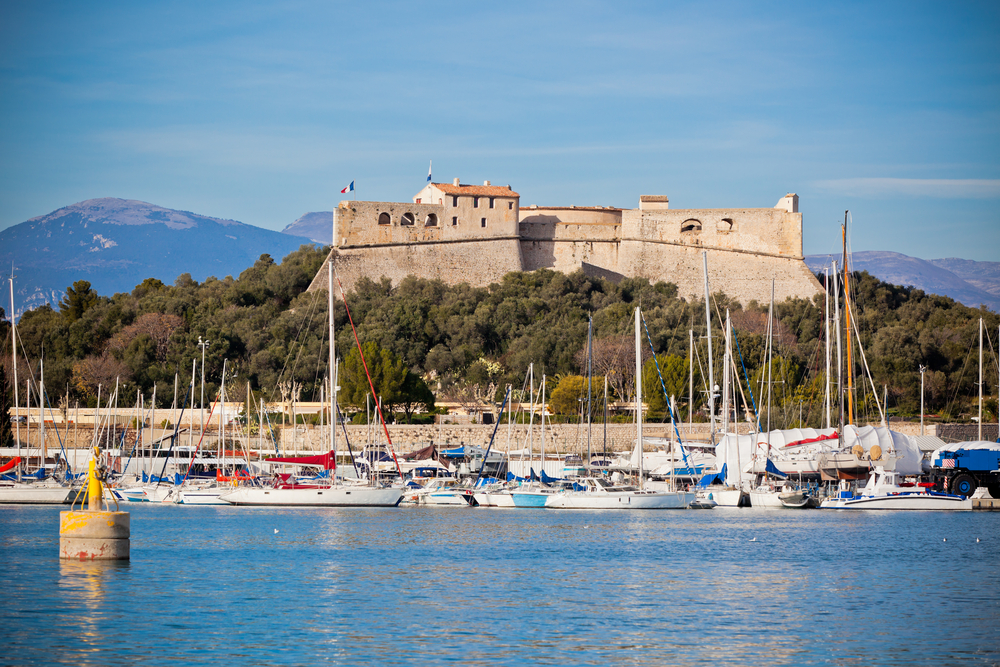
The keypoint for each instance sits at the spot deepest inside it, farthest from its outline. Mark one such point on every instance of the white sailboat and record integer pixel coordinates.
(599, 493)
(336, 493)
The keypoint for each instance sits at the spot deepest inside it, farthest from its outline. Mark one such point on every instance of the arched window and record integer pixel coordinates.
(384, 219)
(431, 221)
(725, 225)
(407, 219)
(690, 225)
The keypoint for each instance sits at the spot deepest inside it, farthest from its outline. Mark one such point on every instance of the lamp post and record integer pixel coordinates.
(202, 344)
(922, 370)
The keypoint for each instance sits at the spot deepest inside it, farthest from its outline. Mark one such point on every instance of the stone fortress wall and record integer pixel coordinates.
(476, 234)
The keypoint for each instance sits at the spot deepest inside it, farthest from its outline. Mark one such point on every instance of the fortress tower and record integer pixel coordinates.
(476, 234)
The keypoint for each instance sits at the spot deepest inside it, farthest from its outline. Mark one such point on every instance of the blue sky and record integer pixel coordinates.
(264, 111)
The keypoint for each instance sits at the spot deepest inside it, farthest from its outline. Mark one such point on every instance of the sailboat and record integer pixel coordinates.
(334, 493)
(599, 493)
(535, 493)
(23, 489)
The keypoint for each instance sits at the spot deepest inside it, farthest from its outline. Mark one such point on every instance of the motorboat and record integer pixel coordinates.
(885, 491)
(440, 491)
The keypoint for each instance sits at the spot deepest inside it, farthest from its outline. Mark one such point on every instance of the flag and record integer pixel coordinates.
(431, 164)
(349, 188)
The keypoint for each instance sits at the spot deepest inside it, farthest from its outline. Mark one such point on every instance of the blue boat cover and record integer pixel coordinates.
(714, 477)
(771, 468)
(548, 480)
(457, 453)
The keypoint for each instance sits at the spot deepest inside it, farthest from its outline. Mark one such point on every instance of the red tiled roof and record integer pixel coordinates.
(480, 190)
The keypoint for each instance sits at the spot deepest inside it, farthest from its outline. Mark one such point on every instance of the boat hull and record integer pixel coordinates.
(620, 501)
(338, 496)
(914, 501)
(529, 499)
(36, 494)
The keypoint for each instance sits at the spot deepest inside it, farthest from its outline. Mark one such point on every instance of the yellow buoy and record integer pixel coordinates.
(94, 533)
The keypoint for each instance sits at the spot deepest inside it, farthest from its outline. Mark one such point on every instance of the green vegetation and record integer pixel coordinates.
(425, 340)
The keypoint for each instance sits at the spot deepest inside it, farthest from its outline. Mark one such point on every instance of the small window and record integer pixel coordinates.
(384, 219)
(407, 219)
(690, 225)
(483, 223)
(510, 206)
(475, 202)
(491, 201)
(725, 225)
(454, 201)
(454, 221)
(431, 221)
(418, 201)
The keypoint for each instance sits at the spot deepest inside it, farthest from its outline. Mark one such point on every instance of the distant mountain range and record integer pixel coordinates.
(968, 282)
(316, 227)
(117, 243)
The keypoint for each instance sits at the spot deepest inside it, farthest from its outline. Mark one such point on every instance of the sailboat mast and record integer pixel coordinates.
(333, 371)
(847, 315)
(826, 324)
(980, 421)
(711, 373)
(725, 378)
(638, 395)
(13, 358)
(590, 354)
(541, 456)
(840, 363)
(690, 381)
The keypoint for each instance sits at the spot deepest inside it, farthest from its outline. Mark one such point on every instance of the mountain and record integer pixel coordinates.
(316, 227)
(969, 282)
(118, 243)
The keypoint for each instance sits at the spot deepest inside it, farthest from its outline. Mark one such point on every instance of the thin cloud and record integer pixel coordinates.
(941, 188)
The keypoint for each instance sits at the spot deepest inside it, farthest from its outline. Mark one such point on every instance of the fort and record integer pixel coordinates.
(476, 234)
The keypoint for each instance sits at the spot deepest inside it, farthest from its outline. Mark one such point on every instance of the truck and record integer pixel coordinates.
(963, 467)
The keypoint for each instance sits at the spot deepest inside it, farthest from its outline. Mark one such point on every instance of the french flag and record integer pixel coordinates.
(349, 188)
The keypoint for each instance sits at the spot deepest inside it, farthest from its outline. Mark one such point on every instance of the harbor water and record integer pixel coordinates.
(404, 586)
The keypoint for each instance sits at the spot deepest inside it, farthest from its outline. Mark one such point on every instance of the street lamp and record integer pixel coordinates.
(922, 369)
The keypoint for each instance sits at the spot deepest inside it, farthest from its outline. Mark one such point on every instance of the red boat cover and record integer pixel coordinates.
(806, 441)
(10, 464)
(325, 460)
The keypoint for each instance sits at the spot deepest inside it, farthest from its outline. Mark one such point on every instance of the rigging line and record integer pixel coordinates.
(961, 377)
(378, 403)
(354, 462)
(668, 401)
(295, 341)
(194, 455)
(753, 401)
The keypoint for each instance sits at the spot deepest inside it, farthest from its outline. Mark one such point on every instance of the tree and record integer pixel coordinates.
(101, 371)
(414, 393)
(79, 298)
(674, 369)
(387, 373)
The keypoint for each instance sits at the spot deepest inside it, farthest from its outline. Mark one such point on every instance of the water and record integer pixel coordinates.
(218, 585)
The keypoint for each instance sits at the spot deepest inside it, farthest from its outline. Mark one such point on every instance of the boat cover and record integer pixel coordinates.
(325, 460)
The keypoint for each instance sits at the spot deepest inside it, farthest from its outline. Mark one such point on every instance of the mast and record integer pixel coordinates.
(711, 373)
(826, 324)
(690, 381)
(725, 379)
(605, 417)
(590, 354)
(13, 358)
(333, 371)
(847, 315)
(638, 395)
(531, 419)
(980, 379)
(840, 364)
(41, 402)
(541, 456)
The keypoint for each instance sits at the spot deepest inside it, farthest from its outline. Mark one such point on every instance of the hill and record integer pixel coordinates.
(317, 227)
(968, 282)
(117, 243)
